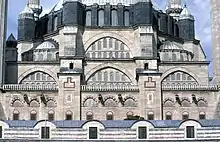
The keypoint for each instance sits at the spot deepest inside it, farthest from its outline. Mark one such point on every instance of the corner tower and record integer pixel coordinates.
(35, 6)
(3, 17)
(215, 27)
(174, 8)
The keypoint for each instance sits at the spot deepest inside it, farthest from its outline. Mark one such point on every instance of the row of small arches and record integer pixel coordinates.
(176, 56)
(109, 103)
(185, 115)
(179, 76)
(109, 76)
(108, 55)
(185, 103)
(38, 76)
(50, 115)
(109, 115)
(33, 103)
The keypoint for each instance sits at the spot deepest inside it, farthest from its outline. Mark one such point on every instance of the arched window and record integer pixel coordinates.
(181, 57)
(174, 57)
(99, 45)
(88, 18)
(123, 78)
(32, 77)
(104, 43)
(183, 76)
(16, 115)
(116, 45)
(49, 56)
(51, 115)
(189, 78)
(33, 115)
(150, 116)
(130, 115)
(122, 47)
(166, 57)
(178, 76)
(117, 76)
(126, 18)
(185, 116)
(202, 115)
(38, 76)
(71, 66)
(110, 43)
(89, 116)
(173, 77)
(99, 76)
(109, 116)
(111, 76)
(101, 18)
(127, 55)
(106, 76)
(41, 57)
(69, 115)
(93, 47)
(43, 76)
(54, 24)
(114, 19)
(168, 116)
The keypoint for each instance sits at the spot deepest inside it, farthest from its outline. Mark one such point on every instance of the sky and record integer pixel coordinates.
(199, 8)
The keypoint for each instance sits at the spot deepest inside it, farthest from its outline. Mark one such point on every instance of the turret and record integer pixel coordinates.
(143, 13)
(34, 5)
(174, 8)
(75, 10)
(11, 49)
(186, 25)
(26, 24)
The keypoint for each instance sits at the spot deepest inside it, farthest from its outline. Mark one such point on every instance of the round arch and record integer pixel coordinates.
(108, 34)
(110, 65)
(40, 69)
(175, 69)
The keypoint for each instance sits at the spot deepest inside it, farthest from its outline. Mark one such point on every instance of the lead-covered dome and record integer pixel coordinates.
(170, 51)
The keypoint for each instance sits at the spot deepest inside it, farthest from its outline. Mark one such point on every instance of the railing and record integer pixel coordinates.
(24, 87)
(191, 87)
(128, 88)
(90, 88)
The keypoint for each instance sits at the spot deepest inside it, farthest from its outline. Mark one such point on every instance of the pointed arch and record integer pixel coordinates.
(37, 69)
(107, 34)
(179, 69)
(114, 66)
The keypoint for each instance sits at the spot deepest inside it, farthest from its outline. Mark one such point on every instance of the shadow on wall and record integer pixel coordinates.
(217, 111)
(2, 113)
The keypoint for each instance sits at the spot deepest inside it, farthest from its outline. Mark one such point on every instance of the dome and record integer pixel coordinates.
(170, 45)
(46, 45)
(185, 14)
(27, 10)
(26, 13)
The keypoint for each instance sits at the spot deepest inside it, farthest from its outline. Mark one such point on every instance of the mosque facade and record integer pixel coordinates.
(107, 60)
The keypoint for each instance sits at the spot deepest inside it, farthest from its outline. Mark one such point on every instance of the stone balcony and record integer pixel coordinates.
(190, 88)
(24, 87)
(90, 88)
